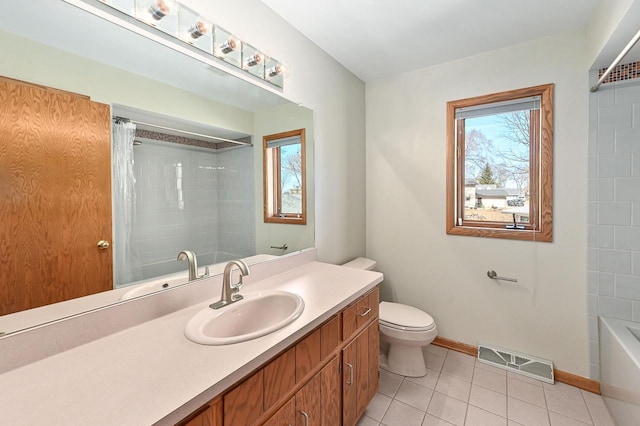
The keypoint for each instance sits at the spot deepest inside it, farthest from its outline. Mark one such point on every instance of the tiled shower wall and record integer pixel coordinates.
(190, 198)
(613, 208)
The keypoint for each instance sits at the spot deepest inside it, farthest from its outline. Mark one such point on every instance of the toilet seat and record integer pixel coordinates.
(405, 317)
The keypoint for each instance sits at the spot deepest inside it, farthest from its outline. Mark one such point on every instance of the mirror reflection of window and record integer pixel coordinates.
(284, 178)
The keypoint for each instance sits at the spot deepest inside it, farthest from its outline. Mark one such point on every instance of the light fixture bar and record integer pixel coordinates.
(178, 47)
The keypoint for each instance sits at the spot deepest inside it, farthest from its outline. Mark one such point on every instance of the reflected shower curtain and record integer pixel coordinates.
(124, 199)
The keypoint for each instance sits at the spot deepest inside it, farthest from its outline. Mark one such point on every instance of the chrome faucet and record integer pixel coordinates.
(230, 291)
(190, 257)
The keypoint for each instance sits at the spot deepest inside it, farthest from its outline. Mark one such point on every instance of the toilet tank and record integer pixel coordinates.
(362, 263)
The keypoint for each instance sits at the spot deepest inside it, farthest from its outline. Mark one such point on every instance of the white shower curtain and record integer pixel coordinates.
(124, 199)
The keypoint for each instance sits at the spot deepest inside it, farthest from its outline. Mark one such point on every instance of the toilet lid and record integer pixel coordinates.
(405, 317)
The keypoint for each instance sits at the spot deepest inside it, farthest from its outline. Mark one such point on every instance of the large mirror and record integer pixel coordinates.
(191, 195)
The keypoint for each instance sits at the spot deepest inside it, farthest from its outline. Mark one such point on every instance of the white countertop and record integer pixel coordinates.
(151, 373)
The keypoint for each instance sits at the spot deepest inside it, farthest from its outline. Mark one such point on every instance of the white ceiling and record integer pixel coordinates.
(375, 39)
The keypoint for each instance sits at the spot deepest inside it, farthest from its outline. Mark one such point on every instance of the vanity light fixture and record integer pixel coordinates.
(187, 25)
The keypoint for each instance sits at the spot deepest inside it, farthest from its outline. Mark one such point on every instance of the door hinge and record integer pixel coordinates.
(340, 368)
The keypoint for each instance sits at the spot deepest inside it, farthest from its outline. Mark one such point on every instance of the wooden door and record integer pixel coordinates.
(374, 358)
(362, 372)
(349, 386)
(308, 403)
(55, 196)
(330, 394)
(285, 416)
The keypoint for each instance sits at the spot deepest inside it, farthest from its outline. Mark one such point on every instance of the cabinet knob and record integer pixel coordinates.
(103, 245)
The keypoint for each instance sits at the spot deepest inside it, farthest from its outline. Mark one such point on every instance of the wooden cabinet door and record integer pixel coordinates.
(243, 405)
(349, 386)
(374, 358)
(285, 416)
(330, 396)
(308, 403)
(55, 196)
(362, 372)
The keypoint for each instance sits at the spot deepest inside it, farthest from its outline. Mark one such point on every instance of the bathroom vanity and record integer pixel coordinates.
(320, 369)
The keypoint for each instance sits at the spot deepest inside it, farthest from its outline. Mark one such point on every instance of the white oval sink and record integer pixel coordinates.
(257, 314)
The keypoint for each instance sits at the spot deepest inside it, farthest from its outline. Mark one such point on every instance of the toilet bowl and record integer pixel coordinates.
(404, 331)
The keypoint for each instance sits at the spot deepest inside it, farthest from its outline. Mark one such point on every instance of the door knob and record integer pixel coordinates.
(103, 245)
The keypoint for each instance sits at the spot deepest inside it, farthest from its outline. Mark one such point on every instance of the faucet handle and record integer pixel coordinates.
(206, 273)
(237, 286)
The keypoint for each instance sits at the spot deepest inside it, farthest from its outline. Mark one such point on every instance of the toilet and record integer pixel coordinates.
(404, 330)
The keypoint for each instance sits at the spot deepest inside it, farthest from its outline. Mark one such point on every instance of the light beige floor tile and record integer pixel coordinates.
(366, 421)
(434, 361)
(568, 405)
(428, 381)
(464, 358)
(478, 417)
(438, 350)
(453, 387)
(458, 369)
(592, 398)
(512, 423)
(526, 414)
(378, 406)
(430, 420)
(512, 375)
(526, 392)
(389, 383)
(490, 380)
(400, 414)
(414, 395)
(564, 389)
(492, 369)
(488, 400)
(447, 408)
(560, 420)
(600, 415)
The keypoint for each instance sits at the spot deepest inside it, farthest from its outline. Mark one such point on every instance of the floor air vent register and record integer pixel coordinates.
(526, 365)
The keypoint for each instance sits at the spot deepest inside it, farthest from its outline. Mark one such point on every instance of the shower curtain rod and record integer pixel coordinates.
(615, 62)
(200, 135)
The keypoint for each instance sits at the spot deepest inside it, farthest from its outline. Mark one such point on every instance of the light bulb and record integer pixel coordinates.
(232, 44)
(255, 59)
(161, 8)
(199, 28)
(277, 70)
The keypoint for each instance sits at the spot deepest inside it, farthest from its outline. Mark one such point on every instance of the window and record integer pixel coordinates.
(500, 165)
(284, 178)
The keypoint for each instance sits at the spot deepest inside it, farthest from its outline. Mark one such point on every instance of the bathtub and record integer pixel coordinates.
(620, 369)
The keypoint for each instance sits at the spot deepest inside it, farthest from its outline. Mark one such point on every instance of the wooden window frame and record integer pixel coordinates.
(272, 178)
(541, 172)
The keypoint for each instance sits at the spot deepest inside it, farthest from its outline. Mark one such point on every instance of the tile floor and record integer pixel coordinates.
(458, 390)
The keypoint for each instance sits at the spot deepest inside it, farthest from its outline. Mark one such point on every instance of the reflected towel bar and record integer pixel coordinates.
(494, 276)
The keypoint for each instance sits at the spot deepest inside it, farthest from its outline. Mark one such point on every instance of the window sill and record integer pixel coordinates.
(286, 220)
(544, 236)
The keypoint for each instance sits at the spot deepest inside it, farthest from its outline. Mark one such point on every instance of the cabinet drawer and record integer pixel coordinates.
(367, 308)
